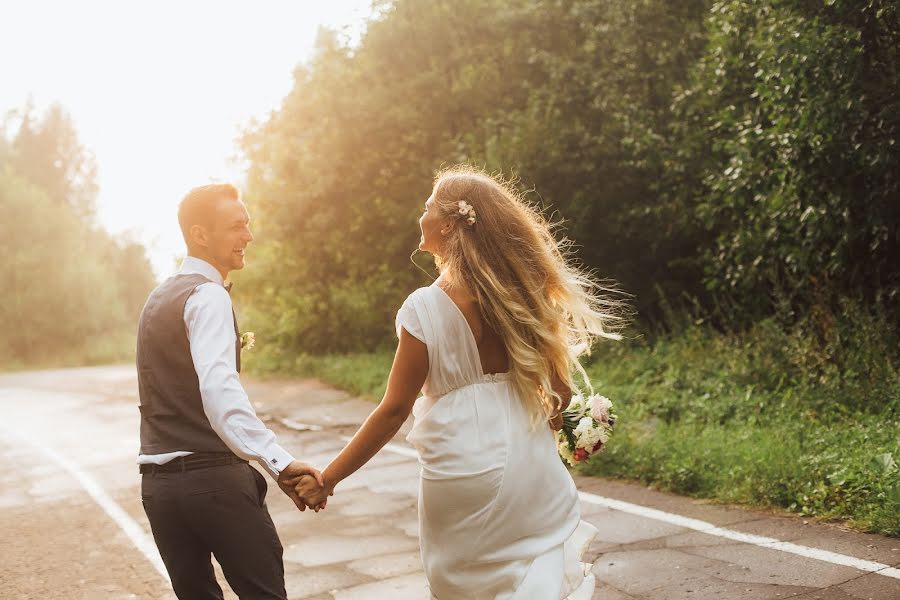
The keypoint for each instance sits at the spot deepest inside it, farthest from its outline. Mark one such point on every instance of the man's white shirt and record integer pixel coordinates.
(210, 329)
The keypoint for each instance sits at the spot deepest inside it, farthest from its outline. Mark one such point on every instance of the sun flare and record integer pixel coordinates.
(159, 92)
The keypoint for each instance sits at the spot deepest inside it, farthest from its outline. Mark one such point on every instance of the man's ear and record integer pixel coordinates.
(198, 235)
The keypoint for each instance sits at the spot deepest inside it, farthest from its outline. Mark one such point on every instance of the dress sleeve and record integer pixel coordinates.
(408, 319)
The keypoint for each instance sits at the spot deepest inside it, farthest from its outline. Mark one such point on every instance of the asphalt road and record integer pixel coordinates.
(72, 526)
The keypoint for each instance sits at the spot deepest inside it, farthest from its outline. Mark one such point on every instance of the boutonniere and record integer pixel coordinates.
(248, 340)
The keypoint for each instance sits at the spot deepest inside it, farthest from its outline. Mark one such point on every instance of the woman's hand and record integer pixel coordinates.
(556, 422)
(313, 494)
(565, 397)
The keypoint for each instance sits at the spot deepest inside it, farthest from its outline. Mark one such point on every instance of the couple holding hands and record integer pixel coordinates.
(485, 363)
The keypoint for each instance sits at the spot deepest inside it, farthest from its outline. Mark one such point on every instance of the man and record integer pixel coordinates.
(198, 429)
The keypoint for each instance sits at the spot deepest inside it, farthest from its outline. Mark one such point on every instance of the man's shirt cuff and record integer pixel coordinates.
(274, 459)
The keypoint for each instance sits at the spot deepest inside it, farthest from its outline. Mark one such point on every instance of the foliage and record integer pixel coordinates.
(338, 173)
(843, 470)
(72, 292)
(785, 151)
(46, 152)
(734, 156)
(805, 418)
(588, 136)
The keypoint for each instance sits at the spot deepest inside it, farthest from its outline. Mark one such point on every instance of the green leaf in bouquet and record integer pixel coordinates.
(570, 436)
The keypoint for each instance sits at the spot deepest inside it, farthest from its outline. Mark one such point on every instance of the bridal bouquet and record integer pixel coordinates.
(587, 424)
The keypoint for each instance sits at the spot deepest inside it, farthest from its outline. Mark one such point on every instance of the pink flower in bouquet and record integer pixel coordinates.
(580, 454)
(600, 406)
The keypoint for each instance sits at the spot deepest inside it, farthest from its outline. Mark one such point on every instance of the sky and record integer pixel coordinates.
(160, 91)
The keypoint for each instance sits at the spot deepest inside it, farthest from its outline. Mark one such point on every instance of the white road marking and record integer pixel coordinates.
(747, 538)
(710, 529)
(143, 542)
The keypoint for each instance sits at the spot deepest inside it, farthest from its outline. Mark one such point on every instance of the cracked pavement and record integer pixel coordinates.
(57, 542)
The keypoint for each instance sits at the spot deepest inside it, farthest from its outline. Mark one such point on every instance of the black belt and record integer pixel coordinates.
(193, 461)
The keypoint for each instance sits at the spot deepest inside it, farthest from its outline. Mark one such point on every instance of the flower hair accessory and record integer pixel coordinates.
(467, 211)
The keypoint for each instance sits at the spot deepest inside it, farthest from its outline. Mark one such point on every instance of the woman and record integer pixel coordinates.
(493, 345)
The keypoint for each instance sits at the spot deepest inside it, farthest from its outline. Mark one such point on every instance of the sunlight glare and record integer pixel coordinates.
(160, 91)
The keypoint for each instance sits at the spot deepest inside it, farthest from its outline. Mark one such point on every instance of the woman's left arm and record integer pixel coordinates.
(565, 397)
(407, 377)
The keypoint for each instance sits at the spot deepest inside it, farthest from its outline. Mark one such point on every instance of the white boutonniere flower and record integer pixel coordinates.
(248, 340)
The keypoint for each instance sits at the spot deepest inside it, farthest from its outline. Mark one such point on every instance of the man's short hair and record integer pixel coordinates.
(198, 205)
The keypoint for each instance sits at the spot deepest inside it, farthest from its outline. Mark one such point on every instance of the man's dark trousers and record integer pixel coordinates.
(217, 511)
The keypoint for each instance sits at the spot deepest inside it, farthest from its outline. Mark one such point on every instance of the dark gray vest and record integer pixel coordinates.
(172, 416)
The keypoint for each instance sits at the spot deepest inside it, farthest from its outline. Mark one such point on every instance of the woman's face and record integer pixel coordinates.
(432, 225)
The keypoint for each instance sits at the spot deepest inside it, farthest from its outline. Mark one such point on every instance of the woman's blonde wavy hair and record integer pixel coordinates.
(547, 310)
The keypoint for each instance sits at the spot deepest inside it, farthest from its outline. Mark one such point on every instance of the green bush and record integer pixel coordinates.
(806, 419)
(784, 148)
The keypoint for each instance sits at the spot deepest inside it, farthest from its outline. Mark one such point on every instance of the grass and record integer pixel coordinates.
(805, 419)
(746, 444)
(842, 471)
(361, 374)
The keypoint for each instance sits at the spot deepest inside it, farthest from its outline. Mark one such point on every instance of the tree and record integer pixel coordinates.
(786, 149)
(45, 150)
(729, 153)
(71, 290)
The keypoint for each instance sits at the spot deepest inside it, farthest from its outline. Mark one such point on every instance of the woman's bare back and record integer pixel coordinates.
(491, 349)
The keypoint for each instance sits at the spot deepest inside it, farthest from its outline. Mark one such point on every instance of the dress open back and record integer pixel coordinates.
(499, 516)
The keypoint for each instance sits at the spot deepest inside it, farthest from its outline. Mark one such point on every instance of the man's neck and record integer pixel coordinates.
(210, 262)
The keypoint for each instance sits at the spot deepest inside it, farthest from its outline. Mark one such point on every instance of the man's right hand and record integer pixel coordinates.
(290, 476)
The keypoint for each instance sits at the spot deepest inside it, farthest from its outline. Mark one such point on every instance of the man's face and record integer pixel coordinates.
(229, 235)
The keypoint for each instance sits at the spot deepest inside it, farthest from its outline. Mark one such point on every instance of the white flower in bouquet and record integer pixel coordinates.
(587, 434)
(576, 404)
(603, 435)
(564, 450)
(585, 424)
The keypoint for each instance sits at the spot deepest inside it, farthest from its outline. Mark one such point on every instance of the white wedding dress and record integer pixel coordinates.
(499, 516)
